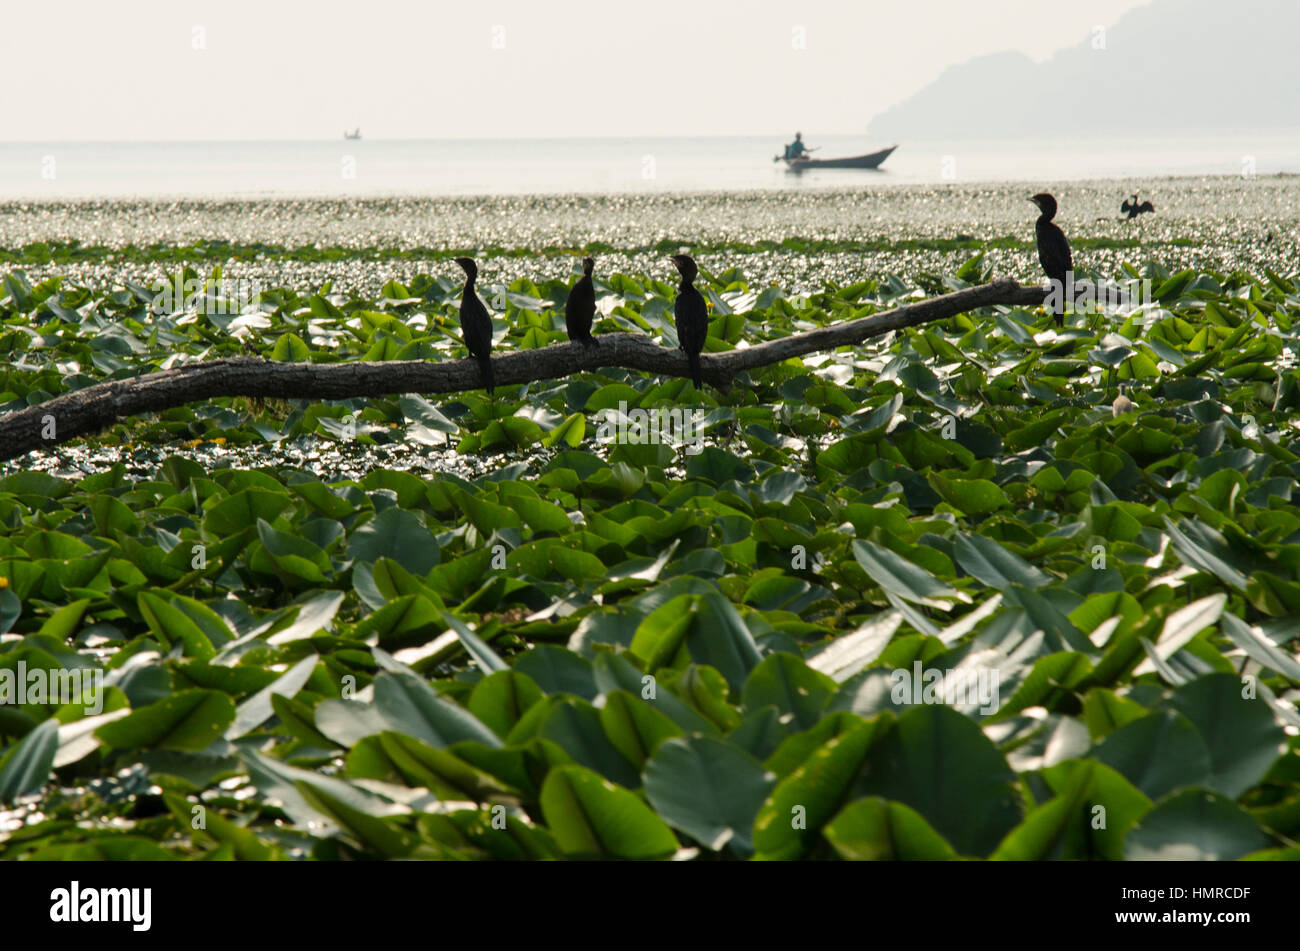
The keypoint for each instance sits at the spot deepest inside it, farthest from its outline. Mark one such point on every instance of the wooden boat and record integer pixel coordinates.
(352, 135)
(871, 160)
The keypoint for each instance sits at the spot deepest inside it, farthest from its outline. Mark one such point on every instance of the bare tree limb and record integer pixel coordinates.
(97, 407)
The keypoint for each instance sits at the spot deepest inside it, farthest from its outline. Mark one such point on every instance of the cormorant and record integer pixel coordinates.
(580, 308)
(1133, 209)
(692, 316)
(1053, 249)
(475, 324)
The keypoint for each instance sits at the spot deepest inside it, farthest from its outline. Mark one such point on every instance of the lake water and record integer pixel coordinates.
(550, 166)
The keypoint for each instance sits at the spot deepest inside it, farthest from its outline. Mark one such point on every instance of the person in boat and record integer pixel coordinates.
(796, 149)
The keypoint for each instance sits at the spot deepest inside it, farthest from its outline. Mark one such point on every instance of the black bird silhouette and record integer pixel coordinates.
(692, 316)
(580, 308)
(475, 324)
(1133, 209)
(1053, 249)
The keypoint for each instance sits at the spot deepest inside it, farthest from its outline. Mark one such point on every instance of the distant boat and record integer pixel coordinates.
(355, 134)
(871, 160)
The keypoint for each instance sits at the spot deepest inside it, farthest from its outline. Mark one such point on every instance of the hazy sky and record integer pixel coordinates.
(271, 69)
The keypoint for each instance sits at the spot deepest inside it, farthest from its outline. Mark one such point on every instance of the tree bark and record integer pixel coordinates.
(90, 410)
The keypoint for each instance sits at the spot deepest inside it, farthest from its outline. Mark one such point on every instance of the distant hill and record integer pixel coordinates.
(1171, 66)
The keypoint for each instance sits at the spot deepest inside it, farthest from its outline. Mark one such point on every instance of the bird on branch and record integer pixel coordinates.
(692, 316)
(1053, 250)
(475, 324)
(580, 308)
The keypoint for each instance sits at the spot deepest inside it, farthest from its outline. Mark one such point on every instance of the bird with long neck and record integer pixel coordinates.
(580, 308)
(692, 316)
(1122, 403)
(1053, 249)
(475, 324)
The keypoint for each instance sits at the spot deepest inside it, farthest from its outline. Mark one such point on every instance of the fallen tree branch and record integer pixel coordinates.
(97, 407)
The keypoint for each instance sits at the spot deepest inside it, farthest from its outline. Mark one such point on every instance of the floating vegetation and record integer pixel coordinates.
(530, 627)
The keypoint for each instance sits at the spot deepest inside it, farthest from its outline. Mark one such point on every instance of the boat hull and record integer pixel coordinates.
(871, 160)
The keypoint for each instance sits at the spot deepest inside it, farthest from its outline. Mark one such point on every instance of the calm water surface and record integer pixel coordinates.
(343, 168)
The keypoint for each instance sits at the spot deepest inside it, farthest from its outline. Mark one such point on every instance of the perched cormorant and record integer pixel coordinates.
(1053, 249)
(692, 316)
(475, 324)
(580, 308)
(1133, 209)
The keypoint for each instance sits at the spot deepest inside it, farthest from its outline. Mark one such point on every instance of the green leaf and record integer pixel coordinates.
(661, 635)
(397, 534)
(290, 349)
(557, 670)
(442, 772)
(186, 720)
(903, 579)
(1205, 550)
(719, 638)
(543, 516)
(992, 564)
(971, 496)
(1181, 626)
(1157, 753)
(242, 510)
(634, 726)
(373, 832)
(1240, 734)
(1252, 640)
(575, 726)
(590, 817)
(709, 789)
(311, 617)
(244, 843)
(299, 721)
(875, 830)
(26, 767)
(793, 815)
(257, 709)
(1112, 805)
(412, 707)
(173, 626)
(478, 648)
(418, 408)
(787, 683)
(1196, 826)
(293, 557)
(704, 689)
(577, 565)
(569, 432)
(1045, 832)
(942, 765)
(64, 622)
